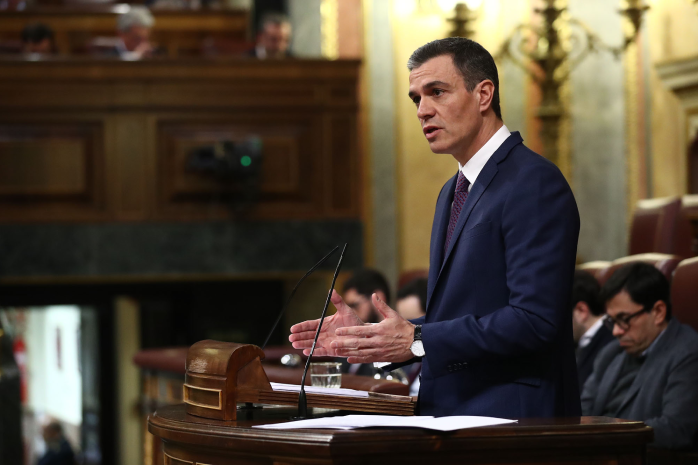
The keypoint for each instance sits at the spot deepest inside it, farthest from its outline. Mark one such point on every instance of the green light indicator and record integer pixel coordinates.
(246, 160)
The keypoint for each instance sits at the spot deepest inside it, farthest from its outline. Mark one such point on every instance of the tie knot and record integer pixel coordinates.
(462, 183)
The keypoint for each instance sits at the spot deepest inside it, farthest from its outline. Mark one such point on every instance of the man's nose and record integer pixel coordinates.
(425, 109)
(617, 331)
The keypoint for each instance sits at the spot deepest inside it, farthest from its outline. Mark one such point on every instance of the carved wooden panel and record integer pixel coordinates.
(291, 176)
(50, 169)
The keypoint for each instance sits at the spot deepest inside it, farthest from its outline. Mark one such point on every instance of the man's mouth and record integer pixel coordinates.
(430, 132)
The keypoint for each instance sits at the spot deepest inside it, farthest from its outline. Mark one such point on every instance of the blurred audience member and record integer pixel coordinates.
(357, 295)
(588, 329)
(134, 33)
(58, 450)
(273, 38)
(412, 299)
(37, 38)
(13, 5)
(651, 372)
(412, 303)
(10, 404)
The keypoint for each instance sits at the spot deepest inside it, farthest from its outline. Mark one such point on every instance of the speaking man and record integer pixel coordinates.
(497, 336)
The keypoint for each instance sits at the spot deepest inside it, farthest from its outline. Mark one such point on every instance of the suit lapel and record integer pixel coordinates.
(441, 219)
(648, 368)
(608, 381)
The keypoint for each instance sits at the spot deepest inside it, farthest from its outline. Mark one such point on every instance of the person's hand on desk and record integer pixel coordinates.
(347, 336)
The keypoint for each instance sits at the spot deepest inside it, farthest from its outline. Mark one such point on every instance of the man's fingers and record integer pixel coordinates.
(362, 331)
(339, 303)
(383, 307)
(356, 343)
(310, 325)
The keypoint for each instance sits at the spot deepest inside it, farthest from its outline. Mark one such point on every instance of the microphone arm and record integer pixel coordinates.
(293, 292)
(302, 400)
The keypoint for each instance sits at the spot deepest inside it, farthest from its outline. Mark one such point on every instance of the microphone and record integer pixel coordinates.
(302, 400)
(283, 309)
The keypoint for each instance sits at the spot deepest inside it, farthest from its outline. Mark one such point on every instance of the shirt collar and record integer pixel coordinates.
(261, 52)
(590, 333)
(471, 169)
(654, 343)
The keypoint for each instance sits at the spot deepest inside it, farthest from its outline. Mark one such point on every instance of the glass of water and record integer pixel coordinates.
(326, 374)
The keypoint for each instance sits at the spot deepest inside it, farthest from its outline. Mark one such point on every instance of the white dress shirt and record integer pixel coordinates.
(589, 334)
(472, 167)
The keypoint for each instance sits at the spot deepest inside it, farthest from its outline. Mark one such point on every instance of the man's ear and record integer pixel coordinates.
(485, 94)
(581, 312)
(659, 312)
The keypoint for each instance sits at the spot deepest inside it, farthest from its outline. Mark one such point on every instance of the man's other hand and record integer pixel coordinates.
(387, 341)
(303, 334)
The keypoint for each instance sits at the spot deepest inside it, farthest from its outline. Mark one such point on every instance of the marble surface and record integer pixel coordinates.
(174, 248)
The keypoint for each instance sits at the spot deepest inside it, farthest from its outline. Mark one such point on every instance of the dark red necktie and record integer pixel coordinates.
(459, 199)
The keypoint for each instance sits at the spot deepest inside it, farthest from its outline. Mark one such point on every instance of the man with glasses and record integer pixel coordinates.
(651, 372)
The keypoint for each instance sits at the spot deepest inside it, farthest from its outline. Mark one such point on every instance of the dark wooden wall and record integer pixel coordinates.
(96, 141)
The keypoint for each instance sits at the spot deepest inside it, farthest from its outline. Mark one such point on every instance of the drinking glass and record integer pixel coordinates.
(326, 374)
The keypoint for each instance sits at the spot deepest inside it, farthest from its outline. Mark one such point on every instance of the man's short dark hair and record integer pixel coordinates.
(273, 17)
(36, 33)
(471, 59)
(586, 288)
(367, 281)
(644, 283)
(416, 287)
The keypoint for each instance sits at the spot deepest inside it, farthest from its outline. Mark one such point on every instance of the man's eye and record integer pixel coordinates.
(416, 101)
(437, 92)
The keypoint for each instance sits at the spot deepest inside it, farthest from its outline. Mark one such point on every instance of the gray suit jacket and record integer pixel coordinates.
(665, 392)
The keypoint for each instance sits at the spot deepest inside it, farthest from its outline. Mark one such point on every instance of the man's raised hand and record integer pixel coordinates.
(302, 334)
(387, 341)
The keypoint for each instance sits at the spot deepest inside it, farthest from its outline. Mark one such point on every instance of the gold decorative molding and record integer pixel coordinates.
(329, 14)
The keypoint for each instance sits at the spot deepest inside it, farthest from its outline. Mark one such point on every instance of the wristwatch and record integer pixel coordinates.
(417, 347)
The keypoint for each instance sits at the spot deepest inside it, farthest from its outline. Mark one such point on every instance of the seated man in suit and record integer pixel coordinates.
(588, 330)
(358, 290)
(651, 372)
(37, 38)
(274, 37)
(134, 33)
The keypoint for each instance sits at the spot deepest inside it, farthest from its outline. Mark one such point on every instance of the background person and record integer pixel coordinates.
(588, 330)
(273, 38)
(651, 372)
(37, 38)
(134, 28)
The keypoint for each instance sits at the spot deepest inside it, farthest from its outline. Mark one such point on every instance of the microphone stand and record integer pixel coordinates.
(293, 292)
(302, 400)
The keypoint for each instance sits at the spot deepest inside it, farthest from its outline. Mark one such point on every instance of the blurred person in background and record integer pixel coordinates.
(11, 451)
(650, 373)
(273, 38)
(412, 303)
(58, 450)
(134, 33)
(37, 38)
(357, 294)
(588, 331)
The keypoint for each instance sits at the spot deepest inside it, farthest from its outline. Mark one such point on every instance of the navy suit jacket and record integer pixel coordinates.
(587, 355)
(498, 329)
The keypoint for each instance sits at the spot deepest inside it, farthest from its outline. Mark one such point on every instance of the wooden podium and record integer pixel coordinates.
(188, 439)
(210, 429)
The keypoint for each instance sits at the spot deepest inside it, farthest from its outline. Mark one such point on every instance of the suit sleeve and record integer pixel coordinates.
(677, 427)
(540, 228)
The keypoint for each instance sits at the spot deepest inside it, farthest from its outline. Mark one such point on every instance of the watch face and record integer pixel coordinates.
(417, 348)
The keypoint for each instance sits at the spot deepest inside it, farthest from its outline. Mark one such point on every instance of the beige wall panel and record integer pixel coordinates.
(672, 26)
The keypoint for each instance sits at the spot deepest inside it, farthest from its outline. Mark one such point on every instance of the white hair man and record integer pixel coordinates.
(134, 33)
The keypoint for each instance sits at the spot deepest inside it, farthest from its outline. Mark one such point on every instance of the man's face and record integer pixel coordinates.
(361, 305)
(136, 38)
(275, 38)
(44, 47)
(410, 307)
(450, 116)
(644, 328)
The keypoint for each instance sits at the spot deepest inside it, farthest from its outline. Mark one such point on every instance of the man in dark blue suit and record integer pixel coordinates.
(497, 336)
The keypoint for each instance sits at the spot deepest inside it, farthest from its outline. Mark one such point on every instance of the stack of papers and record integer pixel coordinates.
(318, 390)
(367, 421)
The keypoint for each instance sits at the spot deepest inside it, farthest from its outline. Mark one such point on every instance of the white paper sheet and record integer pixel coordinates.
(388, 421)
(318, 390)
